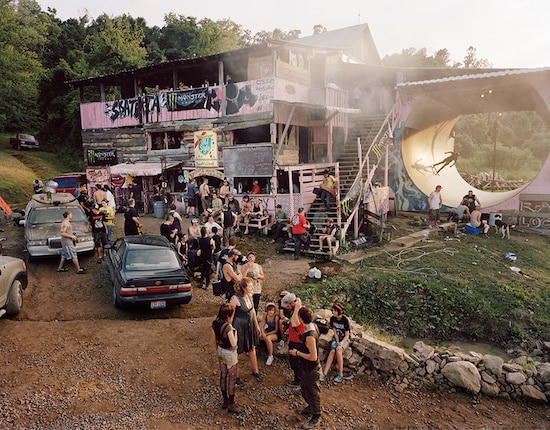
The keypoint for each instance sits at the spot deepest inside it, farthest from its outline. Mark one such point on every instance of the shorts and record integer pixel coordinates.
(192, 202)
(100, 239)
(68, 252)
(334, 345)
(433, 214)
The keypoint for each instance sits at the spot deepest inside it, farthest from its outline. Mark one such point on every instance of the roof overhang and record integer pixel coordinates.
(146, 168)
(313, 107)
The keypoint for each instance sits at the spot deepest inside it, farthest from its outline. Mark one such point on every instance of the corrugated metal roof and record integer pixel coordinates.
(471, 77)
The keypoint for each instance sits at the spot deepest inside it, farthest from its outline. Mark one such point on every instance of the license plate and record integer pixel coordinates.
(159, 304)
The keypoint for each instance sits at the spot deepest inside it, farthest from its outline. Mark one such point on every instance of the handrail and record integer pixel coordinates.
(378, 146)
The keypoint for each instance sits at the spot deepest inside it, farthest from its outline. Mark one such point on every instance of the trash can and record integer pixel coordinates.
(158, 209)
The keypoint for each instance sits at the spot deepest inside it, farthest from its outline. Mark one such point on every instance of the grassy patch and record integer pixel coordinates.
(449, 290)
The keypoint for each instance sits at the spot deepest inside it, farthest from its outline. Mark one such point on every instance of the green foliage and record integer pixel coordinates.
(523, 142)
(455, 299)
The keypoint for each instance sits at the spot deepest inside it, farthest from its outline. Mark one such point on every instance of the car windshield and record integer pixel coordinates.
(151, 259)
(52, 214)
(27, 137)
(66, 182)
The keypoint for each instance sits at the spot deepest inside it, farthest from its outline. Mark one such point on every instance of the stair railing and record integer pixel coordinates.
(351, 203)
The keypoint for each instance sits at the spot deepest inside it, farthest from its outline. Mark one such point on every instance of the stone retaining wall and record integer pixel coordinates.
(522, 377)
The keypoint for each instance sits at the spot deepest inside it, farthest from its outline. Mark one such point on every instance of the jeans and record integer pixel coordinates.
(325, 197)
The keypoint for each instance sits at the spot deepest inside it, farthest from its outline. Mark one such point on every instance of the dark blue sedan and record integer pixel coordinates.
(146, 271)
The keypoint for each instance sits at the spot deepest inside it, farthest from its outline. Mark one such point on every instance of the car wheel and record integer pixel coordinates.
(116, 302)
(15, 299)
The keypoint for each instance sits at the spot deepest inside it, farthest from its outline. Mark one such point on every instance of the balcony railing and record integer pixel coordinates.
(241, 98)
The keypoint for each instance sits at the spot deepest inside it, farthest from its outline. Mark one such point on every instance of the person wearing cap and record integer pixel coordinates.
(194, 230)
(327, 188)
(281, 220)
(269, 330)
(96, 220)
(339, 324)
(434, 206)
(295, 331)
(300, 234)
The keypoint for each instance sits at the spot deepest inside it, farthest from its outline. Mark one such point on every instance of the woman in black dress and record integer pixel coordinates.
(246, 323)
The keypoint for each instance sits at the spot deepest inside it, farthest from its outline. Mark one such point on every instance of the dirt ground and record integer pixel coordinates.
(71, 360)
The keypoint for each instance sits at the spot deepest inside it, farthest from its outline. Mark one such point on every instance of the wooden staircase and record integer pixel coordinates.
(366, 129)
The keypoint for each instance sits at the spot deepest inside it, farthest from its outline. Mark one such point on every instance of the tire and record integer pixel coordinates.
(15, 298)
(116, 302)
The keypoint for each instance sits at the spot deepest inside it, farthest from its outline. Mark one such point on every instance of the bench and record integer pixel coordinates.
(262, 224)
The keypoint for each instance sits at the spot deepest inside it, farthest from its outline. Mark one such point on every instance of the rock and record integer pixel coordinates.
(384, 357)
(494, 364)
(543, 371)
(487, 378)
(511, 367)
(463, 374)
(490, 389)
(431, 366)
(423, 351)
(532, 393)
(515, 378)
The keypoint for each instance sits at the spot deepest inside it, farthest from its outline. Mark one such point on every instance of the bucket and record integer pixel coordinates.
(158, 209)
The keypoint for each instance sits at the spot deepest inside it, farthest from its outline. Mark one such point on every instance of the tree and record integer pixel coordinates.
(471, 62)
(21, 36)
(276, 34)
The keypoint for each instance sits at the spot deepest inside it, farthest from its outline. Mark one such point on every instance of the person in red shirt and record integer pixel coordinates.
(293, 304)
(255, 187)
(300, 234)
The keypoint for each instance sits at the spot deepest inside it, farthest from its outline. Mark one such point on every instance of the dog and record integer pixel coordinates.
(502, 228)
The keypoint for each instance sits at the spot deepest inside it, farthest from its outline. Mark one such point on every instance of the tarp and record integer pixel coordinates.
(141, 168)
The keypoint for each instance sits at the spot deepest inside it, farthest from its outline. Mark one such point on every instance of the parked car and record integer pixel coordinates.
(146, 271)
(24, 141)
(44, 214)
(69, 182)
(13, 280)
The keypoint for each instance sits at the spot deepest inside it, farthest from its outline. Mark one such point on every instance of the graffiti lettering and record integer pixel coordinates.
(534, 222)
(535, 207)
(125, 108)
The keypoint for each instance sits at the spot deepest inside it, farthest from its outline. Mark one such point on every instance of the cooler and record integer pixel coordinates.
(469, 229)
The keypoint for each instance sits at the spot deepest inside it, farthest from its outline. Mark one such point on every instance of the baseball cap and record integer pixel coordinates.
(283, 293)
(288, 300)
(438, 186)
(234, 252)
(96, 206)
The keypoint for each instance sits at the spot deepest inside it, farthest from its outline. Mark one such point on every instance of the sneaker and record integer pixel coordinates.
(99, 261)
(304, 411)
(258, 377)
(239, 383)
(81, 270)
(62, 269)
(269, 361)
(323, 377)
(293, 384)
(281, 344)
(338, 378)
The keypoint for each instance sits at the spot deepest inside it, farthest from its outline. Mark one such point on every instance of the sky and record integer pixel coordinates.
(508, 33)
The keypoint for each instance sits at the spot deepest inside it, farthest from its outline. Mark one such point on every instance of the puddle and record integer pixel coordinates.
(457, 346)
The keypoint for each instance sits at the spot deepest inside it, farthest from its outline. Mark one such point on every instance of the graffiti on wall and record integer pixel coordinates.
(241, 98)
(135, 107)
(534, 211)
